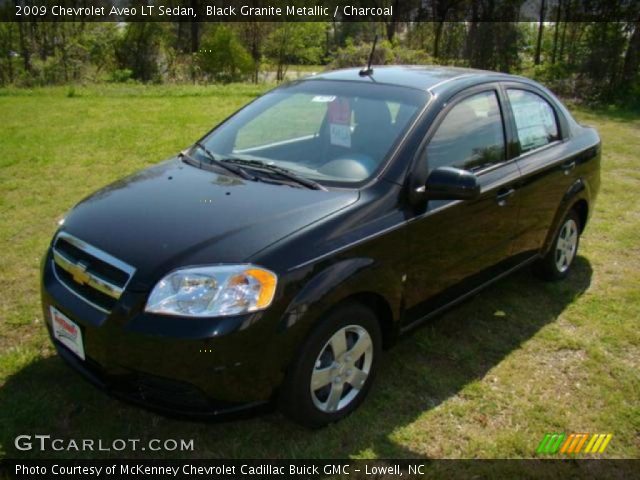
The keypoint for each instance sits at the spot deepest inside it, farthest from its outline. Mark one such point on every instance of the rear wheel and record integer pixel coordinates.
(335, 368)
(557, 262)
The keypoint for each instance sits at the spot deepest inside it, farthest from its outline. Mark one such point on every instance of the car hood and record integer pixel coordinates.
(174, 214)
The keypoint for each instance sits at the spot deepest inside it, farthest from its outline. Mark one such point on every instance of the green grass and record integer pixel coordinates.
(487, 379)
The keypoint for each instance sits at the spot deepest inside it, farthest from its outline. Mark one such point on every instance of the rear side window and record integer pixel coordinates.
(471, 136)
(535, 120)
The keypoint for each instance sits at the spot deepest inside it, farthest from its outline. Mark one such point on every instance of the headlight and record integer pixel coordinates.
(213, 291)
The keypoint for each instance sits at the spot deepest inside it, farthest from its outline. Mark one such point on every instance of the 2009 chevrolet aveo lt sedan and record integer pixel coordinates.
(273, 259)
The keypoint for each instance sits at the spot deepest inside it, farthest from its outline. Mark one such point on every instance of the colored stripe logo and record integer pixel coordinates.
(573, 443)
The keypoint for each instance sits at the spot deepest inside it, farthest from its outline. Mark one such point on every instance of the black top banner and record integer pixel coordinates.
(308, 10)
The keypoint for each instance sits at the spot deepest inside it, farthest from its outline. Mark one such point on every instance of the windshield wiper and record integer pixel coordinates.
(307, 182)
(230, 168)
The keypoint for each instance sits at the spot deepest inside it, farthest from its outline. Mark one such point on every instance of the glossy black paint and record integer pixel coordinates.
(407, 255)
(447, 183)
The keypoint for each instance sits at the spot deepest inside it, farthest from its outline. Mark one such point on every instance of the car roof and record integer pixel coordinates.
(422, 77)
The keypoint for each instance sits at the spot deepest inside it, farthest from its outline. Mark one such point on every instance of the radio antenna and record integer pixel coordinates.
(368, 71)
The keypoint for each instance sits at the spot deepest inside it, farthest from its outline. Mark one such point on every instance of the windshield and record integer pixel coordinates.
(335, 132)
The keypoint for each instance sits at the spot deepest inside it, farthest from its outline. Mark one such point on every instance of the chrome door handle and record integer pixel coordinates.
(568, 166)
(503, 196)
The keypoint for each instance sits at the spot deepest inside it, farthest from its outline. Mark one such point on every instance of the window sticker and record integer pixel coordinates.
(323, 98)
(340, 135)
(339, 115)
(532, 119)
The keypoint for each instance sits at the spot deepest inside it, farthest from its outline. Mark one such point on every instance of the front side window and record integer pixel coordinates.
(535, 120)
(334, 132)
(471, 136)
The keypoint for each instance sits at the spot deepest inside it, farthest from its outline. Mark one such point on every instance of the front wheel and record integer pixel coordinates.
(335, 367)
(556, 264)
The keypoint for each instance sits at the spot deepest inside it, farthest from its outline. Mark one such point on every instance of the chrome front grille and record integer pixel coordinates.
(88, 272)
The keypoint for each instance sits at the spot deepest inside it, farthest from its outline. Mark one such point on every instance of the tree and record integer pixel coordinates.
(632, 57)
(540, 31)
(253, 35)
(297, 43)
(556, 32)
(7, 52)
(441, 10)
(223, 57)
(493, 45)
(138, 49)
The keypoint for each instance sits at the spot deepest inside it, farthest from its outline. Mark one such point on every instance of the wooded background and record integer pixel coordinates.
(595, 61)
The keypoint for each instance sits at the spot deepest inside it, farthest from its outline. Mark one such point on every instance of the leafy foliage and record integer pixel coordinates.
(223, 57)
(295, 43)
(593, 61)
(385, 54)
(139, 50)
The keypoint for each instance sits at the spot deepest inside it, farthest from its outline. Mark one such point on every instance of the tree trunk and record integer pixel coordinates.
(391, 30)
(10, 67)
(9, 49)
(63, 48)
(194, 30)
(540, 31)
(24, 50)
(436, 40)
(391, 24)
(632, 57)
(256, 54)
(472, 33)
(563, 39)
(195, 37)
(571, 44)
(282, 55)
(556, 32)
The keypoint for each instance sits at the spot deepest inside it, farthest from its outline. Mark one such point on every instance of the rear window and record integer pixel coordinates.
(535, 119)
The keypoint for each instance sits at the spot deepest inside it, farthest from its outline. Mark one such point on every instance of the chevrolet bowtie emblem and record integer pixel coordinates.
(79, 273)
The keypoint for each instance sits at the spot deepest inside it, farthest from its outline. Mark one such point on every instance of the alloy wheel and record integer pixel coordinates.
(566, 245)
(341, 369)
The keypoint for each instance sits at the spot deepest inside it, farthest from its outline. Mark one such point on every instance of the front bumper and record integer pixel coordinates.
(176, 365)
(155, 393)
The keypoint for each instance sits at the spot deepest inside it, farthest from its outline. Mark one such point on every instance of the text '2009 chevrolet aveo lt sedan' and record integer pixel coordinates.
(273, 259)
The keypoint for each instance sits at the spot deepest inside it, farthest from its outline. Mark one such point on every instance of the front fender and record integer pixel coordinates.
(326, 285)
(332, 284)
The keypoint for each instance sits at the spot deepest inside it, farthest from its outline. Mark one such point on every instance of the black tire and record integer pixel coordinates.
(550, 267)
(297, 400)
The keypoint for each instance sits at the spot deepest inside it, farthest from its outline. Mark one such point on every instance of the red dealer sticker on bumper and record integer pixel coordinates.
(67, 332)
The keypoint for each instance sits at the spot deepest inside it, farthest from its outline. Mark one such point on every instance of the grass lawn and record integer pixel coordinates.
(487, 379)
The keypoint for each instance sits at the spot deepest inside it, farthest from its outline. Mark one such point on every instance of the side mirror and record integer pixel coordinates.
(447, 183)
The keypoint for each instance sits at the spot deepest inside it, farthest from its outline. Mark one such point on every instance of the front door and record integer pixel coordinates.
(457, 245)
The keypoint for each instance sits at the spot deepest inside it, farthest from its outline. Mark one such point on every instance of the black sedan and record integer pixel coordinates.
(274, 259)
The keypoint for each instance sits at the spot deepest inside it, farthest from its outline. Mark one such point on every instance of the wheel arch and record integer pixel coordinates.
(380, 307)
(576, 197)
(582, 209)
(372, 284)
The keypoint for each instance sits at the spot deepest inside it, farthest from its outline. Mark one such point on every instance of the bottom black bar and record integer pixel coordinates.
(312, 469)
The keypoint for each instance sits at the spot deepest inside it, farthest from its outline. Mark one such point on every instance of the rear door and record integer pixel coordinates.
(545, 160)
(456, 245)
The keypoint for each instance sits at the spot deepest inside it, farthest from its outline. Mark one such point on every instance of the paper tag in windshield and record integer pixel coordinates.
(339, 114)
(323, 98)
(340, 135)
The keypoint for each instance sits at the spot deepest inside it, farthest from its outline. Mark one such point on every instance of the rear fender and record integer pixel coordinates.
(579, 190)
